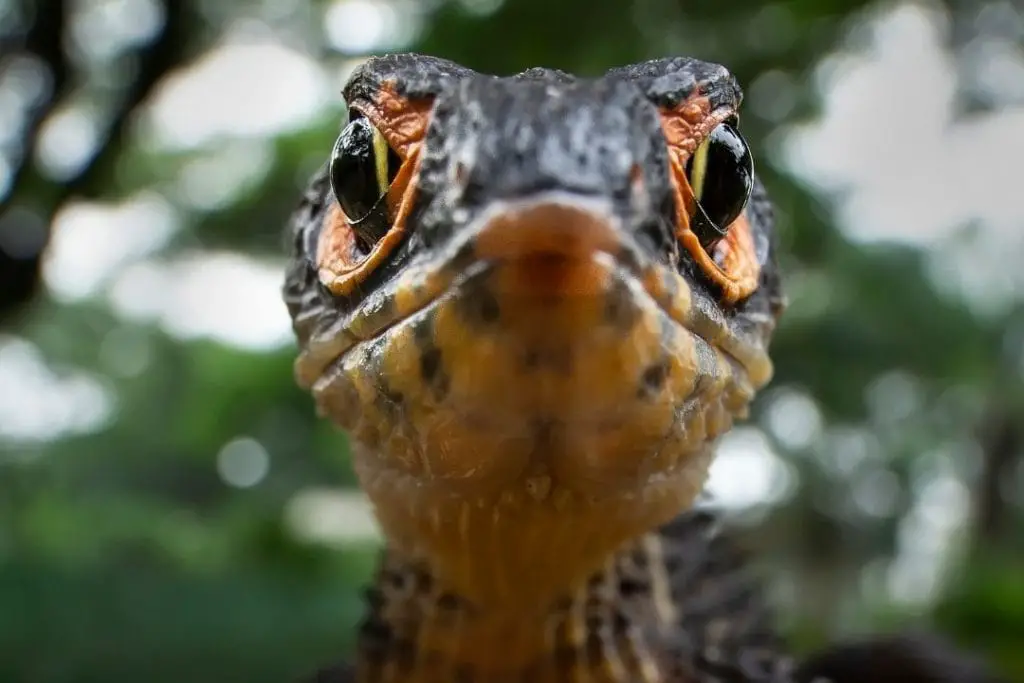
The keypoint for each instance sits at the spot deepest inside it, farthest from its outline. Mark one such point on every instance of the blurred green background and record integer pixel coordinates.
(171, 508)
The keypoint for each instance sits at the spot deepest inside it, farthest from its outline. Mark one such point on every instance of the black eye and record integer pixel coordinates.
(362, 168)
(721, 173)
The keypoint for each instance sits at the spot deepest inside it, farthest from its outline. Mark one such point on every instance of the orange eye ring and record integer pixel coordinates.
(341, 264)
(731, 263)
(342, 267)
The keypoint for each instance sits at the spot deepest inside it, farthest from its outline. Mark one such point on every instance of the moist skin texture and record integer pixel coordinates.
(533, 364)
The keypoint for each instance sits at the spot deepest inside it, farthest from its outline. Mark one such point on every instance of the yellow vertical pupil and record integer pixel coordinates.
(380, 157)
(699, 169)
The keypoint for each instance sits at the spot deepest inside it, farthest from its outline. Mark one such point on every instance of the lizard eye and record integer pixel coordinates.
(721, 174)
(363, 166)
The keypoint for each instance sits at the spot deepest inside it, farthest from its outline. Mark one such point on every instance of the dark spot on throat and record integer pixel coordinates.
(432, 371)
(489, 310)
(653, 379)
(430, 365)
(619, 311)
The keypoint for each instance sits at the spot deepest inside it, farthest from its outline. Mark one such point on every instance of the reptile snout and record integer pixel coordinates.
(595, 140)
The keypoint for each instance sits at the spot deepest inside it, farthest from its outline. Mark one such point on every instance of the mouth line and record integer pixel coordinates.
(454, 282)
(460, 273)
(481, 248)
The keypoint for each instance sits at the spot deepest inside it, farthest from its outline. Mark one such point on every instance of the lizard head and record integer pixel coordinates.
(538, 296)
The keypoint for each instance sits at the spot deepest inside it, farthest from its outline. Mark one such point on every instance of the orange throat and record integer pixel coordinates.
(519, 552)
(522, 586)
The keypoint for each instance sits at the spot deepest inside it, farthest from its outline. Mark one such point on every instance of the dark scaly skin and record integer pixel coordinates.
(531, 422)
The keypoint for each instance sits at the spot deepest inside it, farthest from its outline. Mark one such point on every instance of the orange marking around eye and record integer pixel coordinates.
(403, 123)
(733, 265)
(341, 269)
(336, 251)
(737, 256)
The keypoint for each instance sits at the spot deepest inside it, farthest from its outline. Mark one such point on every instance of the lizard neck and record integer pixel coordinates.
(614, 627)
(519, 548)
(526, 577)
(530, 581)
